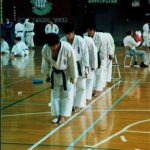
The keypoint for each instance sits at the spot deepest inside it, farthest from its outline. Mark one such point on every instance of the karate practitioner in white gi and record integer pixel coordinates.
(100, 42)
(82, 58)
(51, 27)
(19, 30)
(20, 48)
(4, 46)
(29, 32)
(59, 65)
(146, 34)
(110, 56)
(92, 66)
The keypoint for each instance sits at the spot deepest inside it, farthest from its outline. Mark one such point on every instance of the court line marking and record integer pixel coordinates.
(20, 100)
(120, 132)
(133, 131)
(72, 117)
(123, 139)
(101, 116)
(41, 113)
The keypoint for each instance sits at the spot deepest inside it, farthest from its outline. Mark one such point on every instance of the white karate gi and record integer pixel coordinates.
(61, 100)
(51, 28)
(20, 48)
(29, 33)
(82, 56)
(19, 30)
(4, 47)
(100, 42)
(92, 66)
(110, 51)
(146, 35)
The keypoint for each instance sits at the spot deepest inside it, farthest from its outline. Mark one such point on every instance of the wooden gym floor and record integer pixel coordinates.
(118, 119)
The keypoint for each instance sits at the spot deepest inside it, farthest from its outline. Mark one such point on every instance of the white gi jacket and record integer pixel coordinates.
(110, 44)
(51, 29)
(81, 52)
(29, 27)
(66, 61)
(92, 52)
(4, 47)
(19, 30)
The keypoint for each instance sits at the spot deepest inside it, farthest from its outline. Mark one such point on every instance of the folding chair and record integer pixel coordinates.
(116, 67)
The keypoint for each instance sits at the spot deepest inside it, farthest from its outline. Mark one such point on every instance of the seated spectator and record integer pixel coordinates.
(131, 49)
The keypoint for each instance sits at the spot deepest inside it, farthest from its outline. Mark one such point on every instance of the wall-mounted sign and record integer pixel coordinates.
(41, 7)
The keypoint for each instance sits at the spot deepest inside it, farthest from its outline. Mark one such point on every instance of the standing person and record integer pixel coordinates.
(59, 65)
(146, 34)
(92, 66)
(100, 42)
(82, 58)
(130, 45)
(4, 46)
(19, 29)
(51, 27)
(8, 28)
(29, 32)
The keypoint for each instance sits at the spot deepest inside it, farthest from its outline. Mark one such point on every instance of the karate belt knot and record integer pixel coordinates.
(63, 77)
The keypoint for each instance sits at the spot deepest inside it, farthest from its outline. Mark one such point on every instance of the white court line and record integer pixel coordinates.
(143, 132)
(119, 132)
(25, 114)
(72, 117)
(123, 139)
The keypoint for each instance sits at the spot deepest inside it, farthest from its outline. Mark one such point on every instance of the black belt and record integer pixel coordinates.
(19, 31)
(79, 68)
(28, 31)
(63, 77)
(99, 60)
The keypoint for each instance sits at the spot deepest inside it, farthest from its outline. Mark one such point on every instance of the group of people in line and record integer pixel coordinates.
(78, 67)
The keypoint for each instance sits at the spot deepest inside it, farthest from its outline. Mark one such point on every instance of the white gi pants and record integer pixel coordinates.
(109, 70)
(61, 100)
(29, 39)
(100, 76)
(89, 85)
(80, 92)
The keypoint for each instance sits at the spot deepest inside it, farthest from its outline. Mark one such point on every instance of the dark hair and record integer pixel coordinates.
(68, 27)
(51, 20)
(129, 32)
(52, 39)
(17, 38)
(91, 27)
